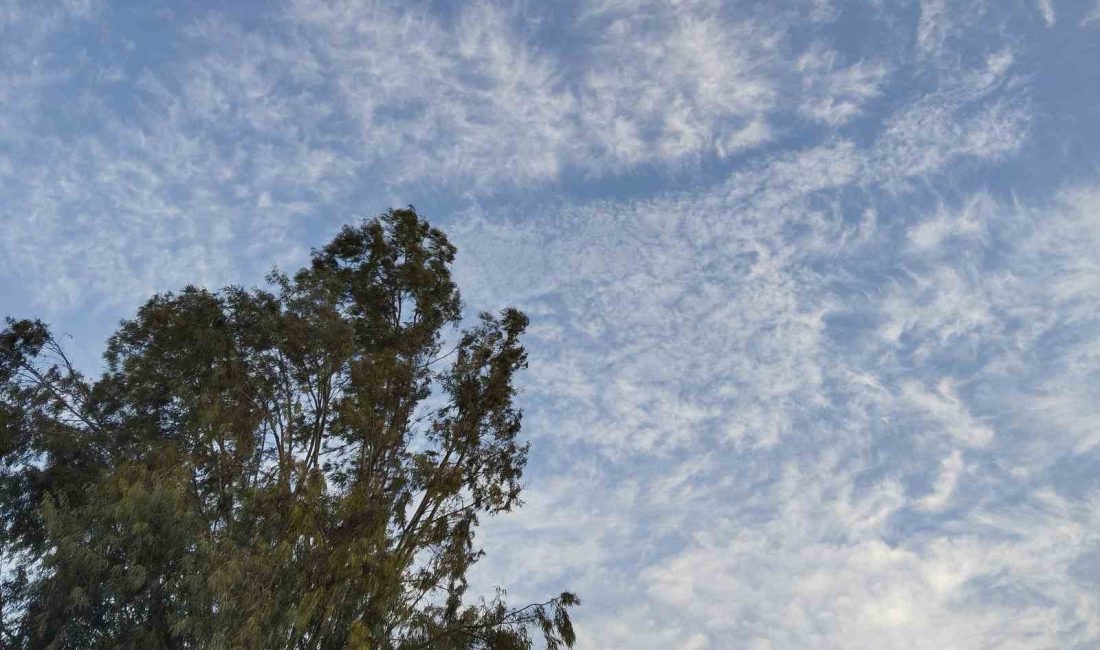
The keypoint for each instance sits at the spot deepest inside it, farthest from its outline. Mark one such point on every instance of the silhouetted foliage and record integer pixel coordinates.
(297, 467)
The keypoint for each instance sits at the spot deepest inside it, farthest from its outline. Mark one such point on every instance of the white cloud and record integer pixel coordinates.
(945, 27)
(1093, 16)
(26, 31)
(967, 222)
(665, 82)
(892, 517)
(944, 406)
(832, 95)
(1046, 9)
(970, 116)
(952, 468)
(931, 28)
(1051, 296)
(802, 560)
(697, 304)
(817, 392)
(258, 131)
(469, 100)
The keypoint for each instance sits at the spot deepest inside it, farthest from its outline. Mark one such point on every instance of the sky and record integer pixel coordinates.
(814, 285)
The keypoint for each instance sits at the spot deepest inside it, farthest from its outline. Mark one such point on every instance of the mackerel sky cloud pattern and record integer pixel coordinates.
(814, 285)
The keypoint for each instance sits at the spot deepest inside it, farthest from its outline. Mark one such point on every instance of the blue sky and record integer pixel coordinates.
(814, 285)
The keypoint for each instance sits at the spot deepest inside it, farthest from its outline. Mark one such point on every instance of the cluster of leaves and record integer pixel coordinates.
(299, 467)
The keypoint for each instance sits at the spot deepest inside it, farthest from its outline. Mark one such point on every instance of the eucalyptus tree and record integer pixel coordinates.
(298, 466)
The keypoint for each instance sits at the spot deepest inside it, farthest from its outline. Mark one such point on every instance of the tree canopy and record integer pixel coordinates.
(298, 466)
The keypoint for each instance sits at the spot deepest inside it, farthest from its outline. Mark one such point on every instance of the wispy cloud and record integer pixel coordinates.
(832, 94)
(879, 484)
(814, 303)
(1092, 18)
(1046, 8)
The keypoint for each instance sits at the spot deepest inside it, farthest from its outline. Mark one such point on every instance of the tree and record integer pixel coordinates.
(297, 467)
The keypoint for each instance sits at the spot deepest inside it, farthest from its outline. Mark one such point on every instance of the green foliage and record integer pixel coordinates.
(302, 467)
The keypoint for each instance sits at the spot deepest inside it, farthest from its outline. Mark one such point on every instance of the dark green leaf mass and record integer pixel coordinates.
(302, 466)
